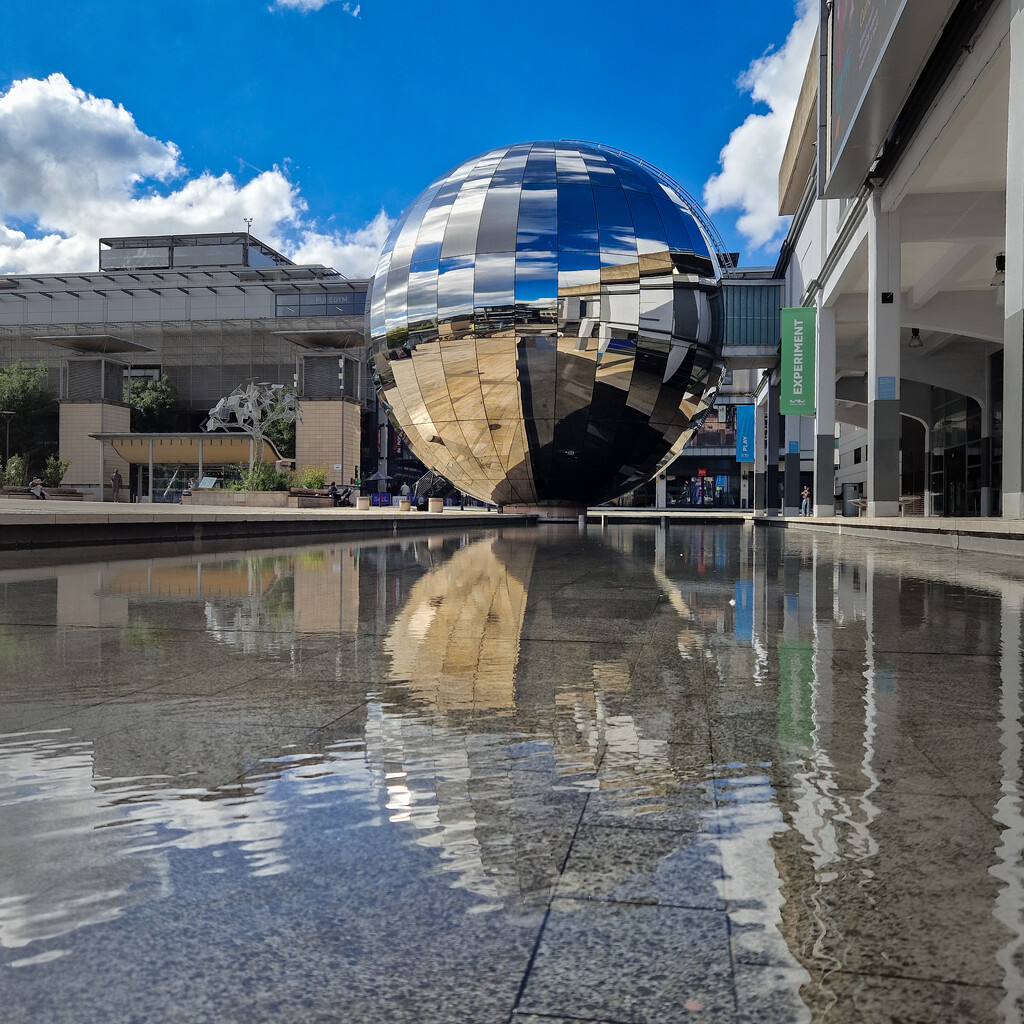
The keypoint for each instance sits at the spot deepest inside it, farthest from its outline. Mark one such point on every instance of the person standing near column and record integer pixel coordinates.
(115, 484)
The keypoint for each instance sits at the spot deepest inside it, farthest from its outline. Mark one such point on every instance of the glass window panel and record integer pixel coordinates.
(540, 167)
(320, 299)
(675, 227)
(618, 267)
(614, 221)
(683, 217)
(577, 217)
(538, 219)
(650, 232)
(601, 172)
(378, 301)
(579, 270)
(494, 285)
(359, 303)
(620, 306)
(395, 318)
(570, 167)
(463, 223)
(498, 222)
(537, 279)
(342, 298)
(288, 309)
(402, 256)
(629, 176)
(513, 164)
(455, 288)
(435, 220)
(422, 295)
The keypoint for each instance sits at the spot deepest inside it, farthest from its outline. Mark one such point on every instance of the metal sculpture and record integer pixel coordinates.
(545, 323)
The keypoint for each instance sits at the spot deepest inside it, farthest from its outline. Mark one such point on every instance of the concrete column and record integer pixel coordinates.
(771, 474)
(824, 487)
(1013, 310)
(883, 490)
(791, 467)
(760, 412)
(661, 491)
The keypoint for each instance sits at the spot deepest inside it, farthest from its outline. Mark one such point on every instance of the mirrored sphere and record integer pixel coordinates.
(545, 323)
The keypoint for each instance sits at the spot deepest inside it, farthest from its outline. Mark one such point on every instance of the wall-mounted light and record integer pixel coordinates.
(999, 278)
(915, 337)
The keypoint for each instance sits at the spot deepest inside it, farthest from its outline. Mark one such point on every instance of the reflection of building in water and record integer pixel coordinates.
(880, 733)
(455, 641)
(486, 757)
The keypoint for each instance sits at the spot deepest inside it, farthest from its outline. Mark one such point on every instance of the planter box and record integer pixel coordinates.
(57, 493)
(311, 501)
(237, 499)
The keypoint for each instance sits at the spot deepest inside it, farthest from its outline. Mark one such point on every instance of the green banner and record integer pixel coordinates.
(796, 386)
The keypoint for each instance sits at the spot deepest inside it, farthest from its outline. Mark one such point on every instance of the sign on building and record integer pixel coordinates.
(744, 433)
(796, 371)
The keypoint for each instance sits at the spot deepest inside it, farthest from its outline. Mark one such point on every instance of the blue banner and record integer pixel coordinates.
(744, 433)
(743, 624)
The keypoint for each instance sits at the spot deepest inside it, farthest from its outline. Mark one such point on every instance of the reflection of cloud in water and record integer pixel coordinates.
(80, 850)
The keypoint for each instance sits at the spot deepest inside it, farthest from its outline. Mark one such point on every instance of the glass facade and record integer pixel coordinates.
(320, 304)
(546, 324)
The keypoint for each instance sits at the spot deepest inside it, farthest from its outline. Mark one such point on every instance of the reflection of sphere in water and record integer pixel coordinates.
(546, 323)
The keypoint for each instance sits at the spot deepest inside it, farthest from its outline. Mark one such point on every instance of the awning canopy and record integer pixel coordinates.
(220, 449)
(324, 339)
(93, 344)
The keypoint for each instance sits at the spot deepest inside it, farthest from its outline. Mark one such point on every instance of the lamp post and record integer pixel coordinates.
(8, 415)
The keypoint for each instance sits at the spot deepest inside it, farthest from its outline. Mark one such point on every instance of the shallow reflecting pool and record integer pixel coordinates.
(644, 774)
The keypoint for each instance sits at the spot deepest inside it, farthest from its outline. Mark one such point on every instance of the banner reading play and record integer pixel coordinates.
(796, 383)
(744, 433)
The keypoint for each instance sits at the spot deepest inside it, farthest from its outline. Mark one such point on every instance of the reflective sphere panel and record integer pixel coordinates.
(546, 324)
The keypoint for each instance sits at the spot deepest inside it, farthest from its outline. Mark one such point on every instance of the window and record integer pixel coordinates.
(321, 304)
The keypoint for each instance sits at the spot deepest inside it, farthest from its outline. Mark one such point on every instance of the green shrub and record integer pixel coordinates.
(54, 470)
(16, 471)
(313, 478)
(261, 476)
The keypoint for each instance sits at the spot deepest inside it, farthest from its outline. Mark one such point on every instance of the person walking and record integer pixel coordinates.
(805, 501)
(115, 485)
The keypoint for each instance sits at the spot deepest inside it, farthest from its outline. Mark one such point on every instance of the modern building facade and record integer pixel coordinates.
(208, 311)
(904, 174)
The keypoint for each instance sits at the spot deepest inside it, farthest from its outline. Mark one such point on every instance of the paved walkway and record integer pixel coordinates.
(28, 523)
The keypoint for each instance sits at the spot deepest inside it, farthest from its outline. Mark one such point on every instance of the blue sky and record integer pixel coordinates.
(313, 117)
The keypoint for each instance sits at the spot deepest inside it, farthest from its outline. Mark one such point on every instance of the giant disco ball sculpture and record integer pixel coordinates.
(546, 324)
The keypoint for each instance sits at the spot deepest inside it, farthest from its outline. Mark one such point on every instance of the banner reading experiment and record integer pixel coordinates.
(796, 371)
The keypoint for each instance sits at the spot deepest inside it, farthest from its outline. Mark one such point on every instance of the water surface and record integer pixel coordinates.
(642, 774)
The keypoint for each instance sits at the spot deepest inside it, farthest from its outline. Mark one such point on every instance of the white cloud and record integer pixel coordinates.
(305, 6)
(351, 249)
(74, 168)
(750, 161)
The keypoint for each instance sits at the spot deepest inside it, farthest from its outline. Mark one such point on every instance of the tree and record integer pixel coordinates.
(35, 425)
(282, 434)
(154, 405)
